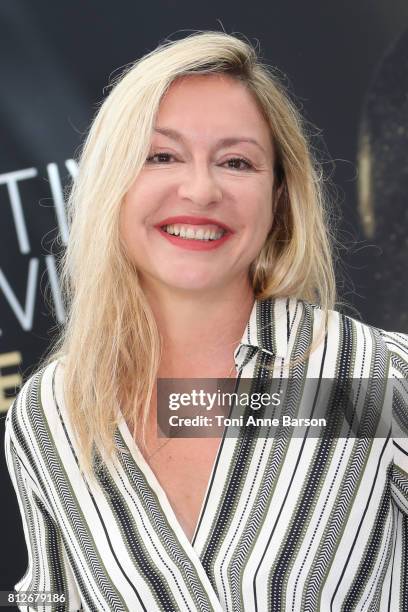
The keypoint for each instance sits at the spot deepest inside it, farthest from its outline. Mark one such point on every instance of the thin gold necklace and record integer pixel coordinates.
(168, 439)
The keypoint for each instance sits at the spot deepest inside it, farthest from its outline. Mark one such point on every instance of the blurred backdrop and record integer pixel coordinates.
(347, 65)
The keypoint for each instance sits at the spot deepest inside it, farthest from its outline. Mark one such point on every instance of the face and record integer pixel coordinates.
(200, 210)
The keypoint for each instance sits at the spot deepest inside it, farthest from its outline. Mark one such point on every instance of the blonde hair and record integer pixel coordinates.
(110, 345)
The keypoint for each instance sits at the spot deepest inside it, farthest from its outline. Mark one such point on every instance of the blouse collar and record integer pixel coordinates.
(270, 325)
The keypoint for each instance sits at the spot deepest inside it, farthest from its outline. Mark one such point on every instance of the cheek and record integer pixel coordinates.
(260, 220)
(129, 225)
(258, 224)
(149, 189)
(134, 208)
(142, 201)
(257, 200)
(125, 219)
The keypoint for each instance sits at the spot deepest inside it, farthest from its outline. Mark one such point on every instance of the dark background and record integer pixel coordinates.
(345, 62)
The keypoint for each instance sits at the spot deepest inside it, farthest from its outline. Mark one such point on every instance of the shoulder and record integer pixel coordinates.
(394, 342)
(349, 333)
(33, 440)
(339, 318)
(28, 418)
(397, 344)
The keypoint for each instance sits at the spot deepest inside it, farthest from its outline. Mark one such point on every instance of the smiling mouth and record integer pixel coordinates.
(205, 233)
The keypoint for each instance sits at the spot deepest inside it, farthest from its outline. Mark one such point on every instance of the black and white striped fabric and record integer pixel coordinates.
(287, 524)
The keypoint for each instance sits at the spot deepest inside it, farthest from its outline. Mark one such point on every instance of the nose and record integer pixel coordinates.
(199, 185)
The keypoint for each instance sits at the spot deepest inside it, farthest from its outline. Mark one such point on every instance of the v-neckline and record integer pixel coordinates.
(161, 494)
(169, 513)
(158, 489)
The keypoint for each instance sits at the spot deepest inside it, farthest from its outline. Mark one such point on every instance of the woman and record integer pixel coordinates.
(200, 247)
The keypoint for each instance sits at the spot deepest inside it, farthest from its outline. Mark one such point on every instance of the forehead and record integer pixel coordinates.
(212, 105)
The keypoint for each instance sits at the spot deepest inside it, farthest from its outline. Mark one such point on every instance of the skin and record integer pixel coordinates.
(199, 177)
(199, 298)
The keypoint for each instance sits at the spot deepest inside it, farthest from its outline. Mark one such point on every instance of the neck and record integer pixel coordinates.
(200, 331)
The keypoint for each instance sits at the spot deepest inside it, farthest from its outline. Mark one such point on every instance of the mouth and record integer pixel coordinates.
(193, 233)
(204, 233)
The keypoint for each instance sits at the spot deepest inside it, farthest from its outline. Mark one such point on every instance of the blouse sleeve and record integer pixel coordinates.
(48, 566)
(398, 346)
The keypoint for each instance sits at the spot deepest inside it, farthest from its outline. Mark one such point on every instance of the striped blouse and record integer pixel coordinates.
(287, 523)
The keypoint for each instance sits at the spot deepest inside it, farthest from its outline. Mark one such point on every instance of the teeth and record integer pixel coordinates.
(191, 233)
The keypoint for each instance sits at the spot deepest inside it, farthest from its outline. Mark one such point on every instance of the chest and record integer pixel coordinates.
(271, 506)
(183, 469)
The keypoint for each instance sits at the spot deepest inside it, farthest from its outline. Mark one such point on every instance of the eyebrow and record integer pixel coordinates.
(223, 142)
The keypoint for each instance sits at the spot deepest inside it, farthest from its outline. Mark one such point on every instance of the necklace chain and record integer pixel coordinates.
(168, 439)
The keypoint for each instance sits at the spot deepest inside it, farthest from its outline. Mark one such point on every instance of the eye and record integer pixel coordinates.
(237, 161)
(162, 157)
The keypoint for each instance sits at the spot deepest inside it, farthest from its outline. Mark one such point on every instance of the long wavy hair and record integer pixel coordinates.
(109, 345)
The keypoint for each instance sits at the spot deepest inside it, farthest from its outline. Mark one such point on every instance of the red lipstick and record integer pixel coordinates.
(189, 243)
(189, 220)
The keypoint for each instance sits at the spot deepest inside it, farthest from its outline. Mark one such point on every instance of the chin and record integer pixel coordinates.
(191, 283)
(191, 286)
